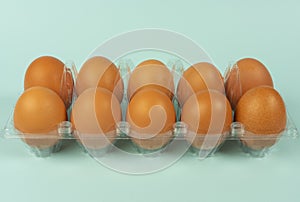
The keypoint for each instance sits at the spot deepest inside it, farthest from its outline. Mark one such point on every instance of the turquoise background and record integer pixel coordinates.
(227, 30)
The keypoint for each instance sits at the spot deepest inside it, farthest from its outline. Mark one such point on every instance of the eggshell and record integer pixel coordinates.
(37, 114)
(198, 77)
(246, 74)
(49, 72)
(262, 112)
(208, 115)
(151, 116)
(153, 74)
(94, 116)
(100, 72)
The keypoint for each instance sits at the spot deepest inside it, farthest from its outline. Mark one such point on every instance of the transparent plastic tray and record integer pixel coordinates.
(123, 137)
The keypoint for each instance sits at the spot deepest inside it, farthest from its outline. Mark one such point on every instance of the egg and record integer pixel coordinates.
(151, 116)
(151, 73)
(208, 115)
(37, 114)
(245, 74)
(198, 77)
(94, 116)
(49, 72)
(99, 71)
(262, 112)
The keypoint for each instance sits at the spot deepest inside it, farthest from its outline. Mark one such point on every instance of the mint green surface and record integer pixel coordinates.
(227, 30)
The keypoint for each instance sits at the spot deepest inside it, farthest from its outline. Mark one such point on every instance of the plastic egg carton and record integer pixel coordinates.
(121, 138)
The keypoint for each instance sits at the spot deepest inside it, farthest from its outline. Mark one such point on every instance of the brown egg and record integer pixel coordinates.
(151, 116)
(100, 72)
(246, 74)
(94, 116)
(200, 76)
(37, 114)
(262, 112)
(153, 74)
(49, 72)
(208, 115)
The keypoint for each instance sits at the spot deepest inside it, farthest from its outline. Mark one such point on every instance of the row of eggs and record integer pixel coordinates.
(206, 101)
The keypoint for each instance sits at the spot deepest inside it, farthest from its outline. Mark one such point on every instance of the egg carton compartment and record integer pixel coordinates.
(43, 144)
(259, 145)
